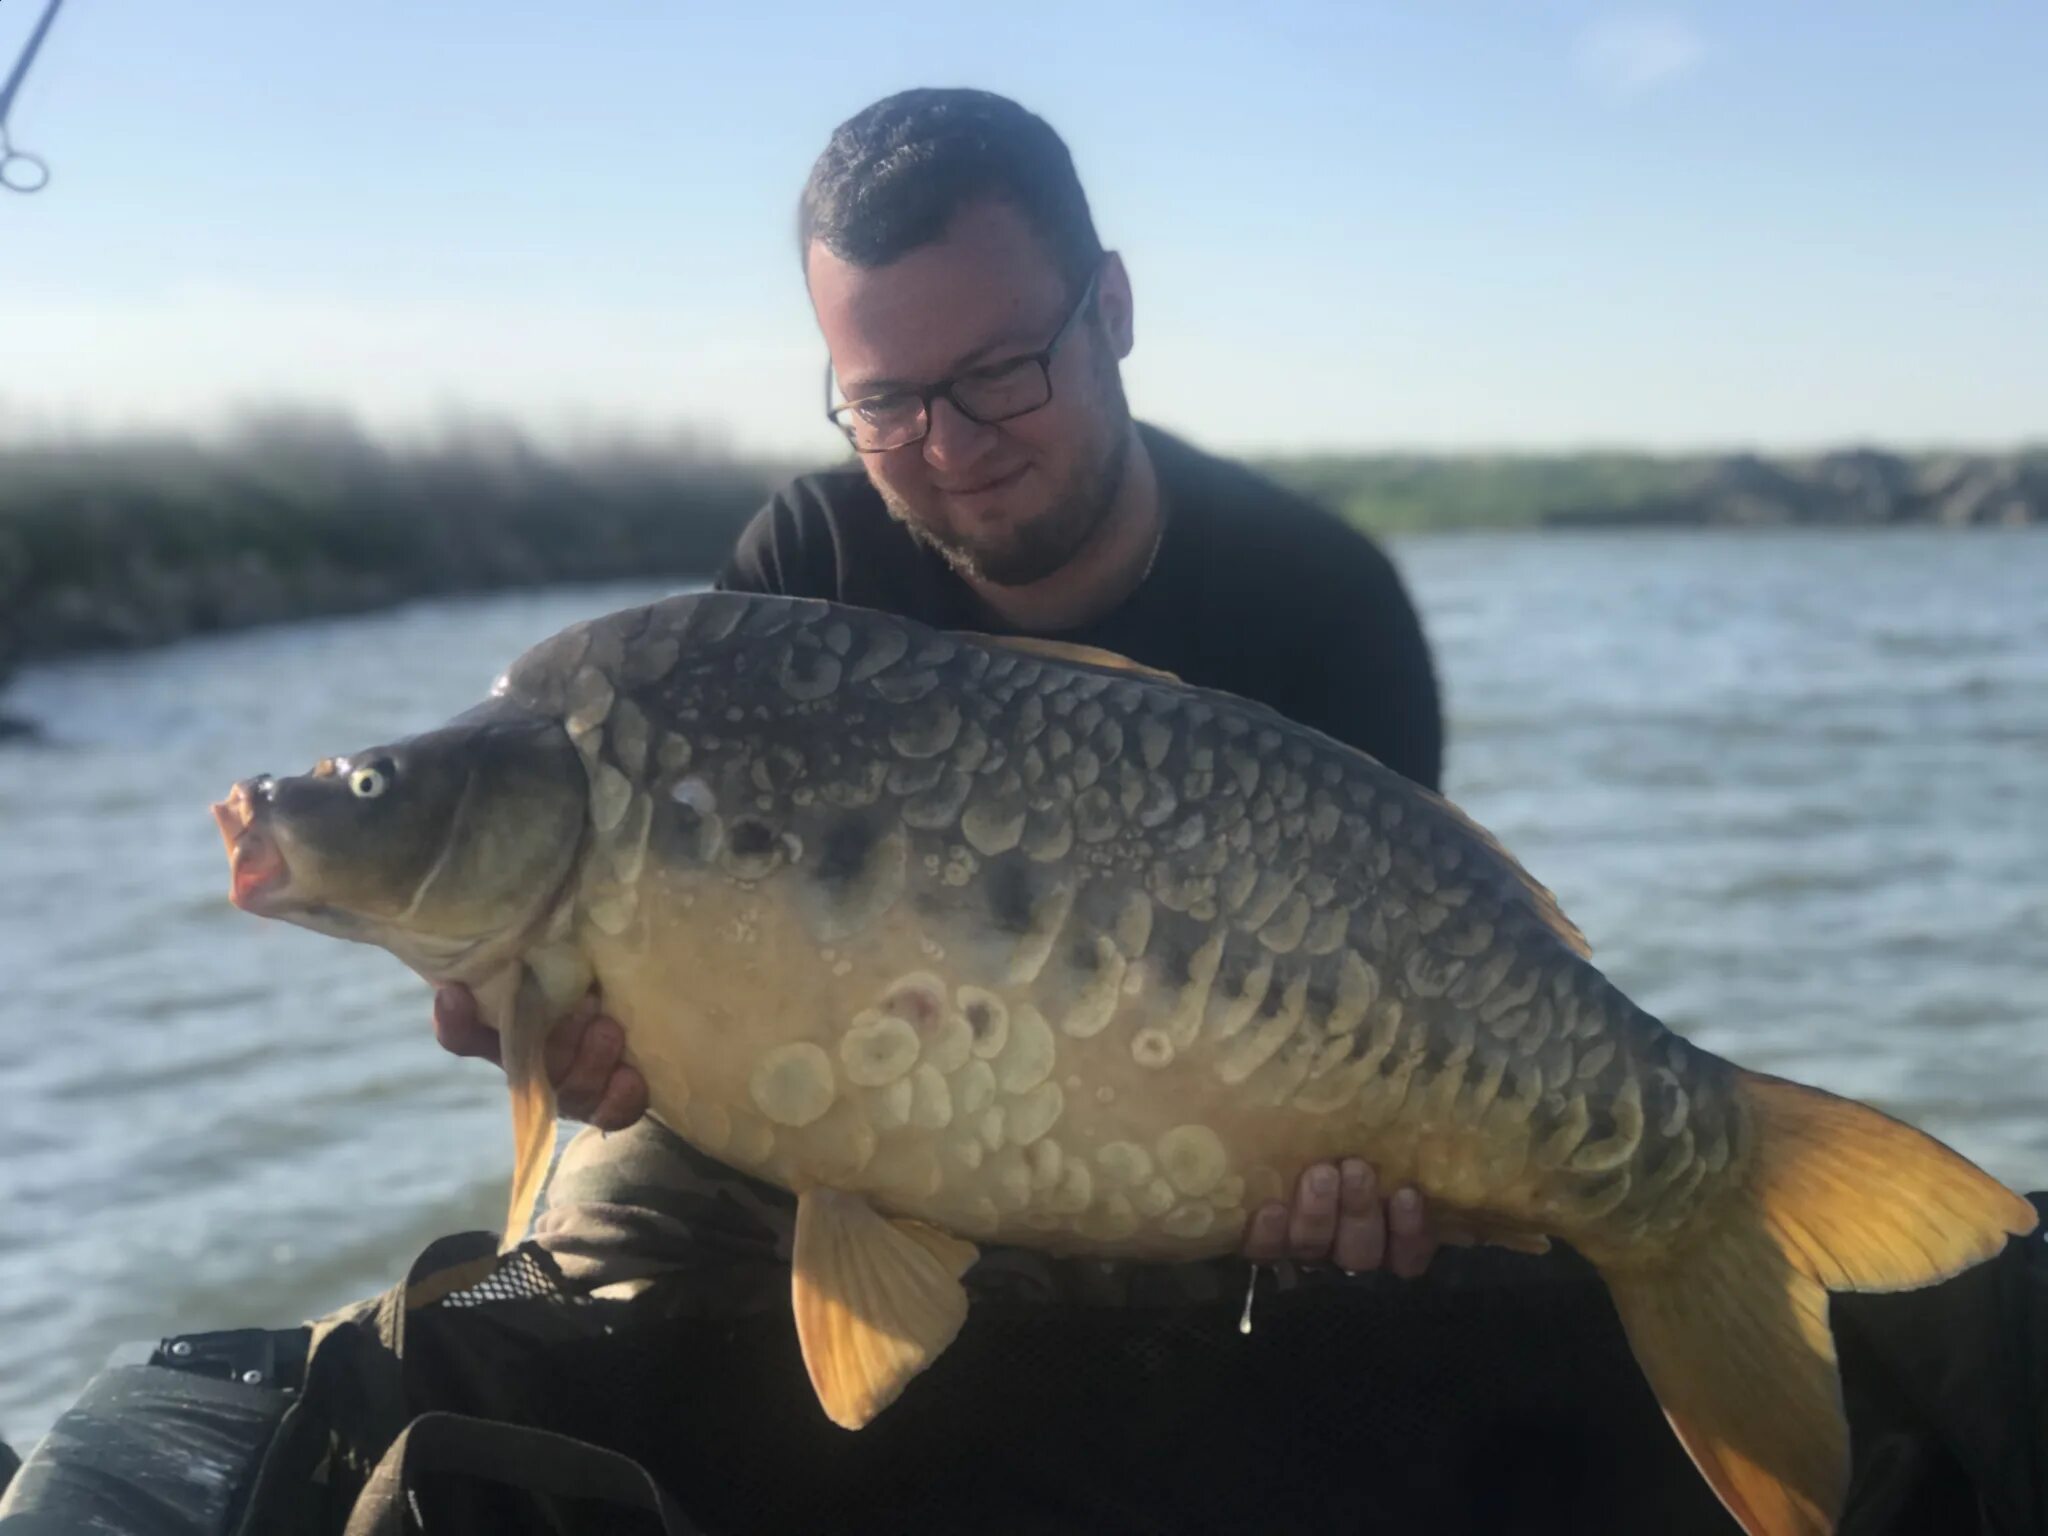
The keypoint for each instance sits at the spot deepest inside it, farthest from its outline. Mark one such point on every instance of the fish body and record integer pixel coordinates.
(1047, 953)
(964, 941)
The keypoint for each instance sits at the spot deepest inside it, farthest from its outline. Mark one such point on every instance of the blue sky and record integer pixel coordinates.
(1349, 226)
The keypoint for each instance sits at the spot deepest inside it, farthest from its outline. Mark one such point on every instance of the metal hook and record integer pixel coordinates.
(20, 172)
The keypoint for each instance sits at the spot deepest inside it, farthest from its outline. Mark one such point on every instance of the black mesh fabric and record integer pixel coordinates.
(524, 1275)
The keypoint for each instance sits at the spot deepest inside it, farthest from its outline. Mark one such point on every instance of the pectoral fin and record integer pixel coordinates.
(876, 1299)
(520, 1015)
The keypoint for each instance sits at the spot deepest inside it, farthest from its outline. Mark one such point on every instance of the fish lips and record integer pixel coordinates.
(257, 872)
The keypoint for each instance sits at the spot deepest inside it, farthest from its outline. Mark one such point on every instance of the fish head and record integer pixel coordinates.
(431, 846)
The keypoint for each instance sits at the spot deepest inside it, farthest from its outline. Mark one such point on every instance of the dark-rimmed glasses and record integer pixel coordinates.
(994, 392)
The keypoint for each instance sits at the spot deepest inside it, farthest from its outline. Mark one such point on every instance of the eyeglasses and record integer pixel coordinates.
(997, 392)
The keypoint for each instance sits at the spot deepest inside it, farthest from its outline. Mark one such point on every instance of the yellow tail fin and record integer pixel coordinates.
(1732, 1330)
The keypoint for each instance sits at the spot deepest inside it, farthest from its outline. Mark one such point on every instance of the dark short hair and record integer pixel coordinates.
(895, 174)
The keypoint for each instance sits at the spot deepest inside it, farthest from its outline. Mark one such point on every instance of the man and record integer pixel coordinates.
(975, 325)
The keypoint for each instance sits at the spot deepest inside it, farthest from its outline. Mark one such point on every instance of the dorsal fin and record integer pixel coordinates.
(1061, 650)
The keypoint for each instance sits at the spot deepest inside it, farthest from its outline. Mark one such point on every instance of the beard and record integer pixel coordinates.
(1031, 550)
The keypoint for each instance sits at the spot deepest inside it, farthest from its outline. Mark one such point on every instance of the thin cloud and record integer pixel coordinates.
(1627, 56)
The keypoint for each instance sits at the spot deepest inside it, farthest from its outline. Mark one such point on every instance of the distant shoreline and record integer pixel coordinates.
(127, 544)
(1852, 488)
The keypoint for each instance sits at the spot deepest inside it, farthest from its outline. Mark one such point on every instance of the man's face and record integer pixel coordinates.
(1014, 501)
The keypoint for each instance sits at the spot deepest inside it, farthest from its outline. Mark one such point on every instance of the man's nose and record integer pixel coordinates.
(953, 440)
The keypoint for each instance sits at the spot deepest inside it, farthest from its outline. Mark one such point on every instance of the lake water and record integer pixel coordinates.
(1793, 786)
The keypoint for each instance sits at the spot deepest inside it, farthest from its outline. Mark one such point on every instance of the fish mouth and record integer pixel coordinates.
(257, 872)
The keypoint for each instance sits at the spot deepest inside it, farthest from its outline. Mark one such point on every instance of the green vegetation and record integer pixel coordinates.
(1401, 493)
(135, 541)
(1405, 493)
(138, 541)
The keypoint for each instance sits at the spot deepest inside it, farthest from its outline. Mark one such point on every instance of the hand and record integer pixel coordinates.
(1342, 1219)
(591, 1083)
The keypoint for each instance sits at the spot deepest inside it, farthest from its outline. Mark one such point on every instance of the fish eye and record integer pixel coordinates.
(372, 779)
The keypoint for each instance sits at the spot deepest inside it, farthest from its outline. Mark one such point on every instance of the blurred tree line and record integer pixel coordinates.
(137, 540)
(140, 540)
(1856, 487)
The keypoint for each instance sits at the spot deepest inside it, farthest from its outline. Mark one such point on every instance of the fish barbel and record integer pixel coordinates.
(968, 940)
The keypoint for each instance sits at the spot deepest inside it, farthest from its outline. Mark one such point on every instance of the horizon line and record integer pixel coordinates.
(246, 425)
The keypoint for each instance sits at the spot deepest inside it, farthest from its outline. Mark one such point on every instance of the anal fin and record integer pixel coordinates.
(877, 1299)
(1462, 1231)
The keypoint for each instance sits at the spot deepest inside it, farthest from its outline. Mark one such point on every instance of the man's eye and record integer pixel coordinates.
(883, 408)
(997, 373)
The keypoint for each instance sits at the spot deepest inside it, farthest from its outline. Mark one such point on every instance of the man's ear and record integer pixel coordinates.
(1113, 304)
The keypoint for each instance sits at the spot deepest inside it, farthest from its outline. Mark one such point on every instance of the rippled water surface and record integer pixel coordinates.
(1793, 786)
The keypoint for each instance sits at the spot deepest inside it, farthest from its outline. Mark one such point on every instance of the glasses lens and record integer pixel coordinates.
(887, 421)
(994, 394)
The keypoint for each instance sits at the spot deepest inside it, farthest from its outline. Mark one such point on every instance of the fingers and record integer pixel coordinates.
(592, 1082)
(1314, 1224)
(589, 1050)
(457, 1027)
(1340, 1216)
(1265, 1239)
(564, 1050)
(1410, 1242)
(1303, 1232)
(624, 1100)
(582, 1056)
(1361, 1219)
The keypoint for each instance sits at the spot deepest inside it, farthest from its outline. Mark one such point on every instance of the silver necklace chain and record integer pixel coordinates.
(1158, 543)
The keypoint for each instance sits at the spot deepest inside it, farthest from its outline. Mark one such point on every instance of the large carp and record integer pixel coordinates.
(969, 940)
